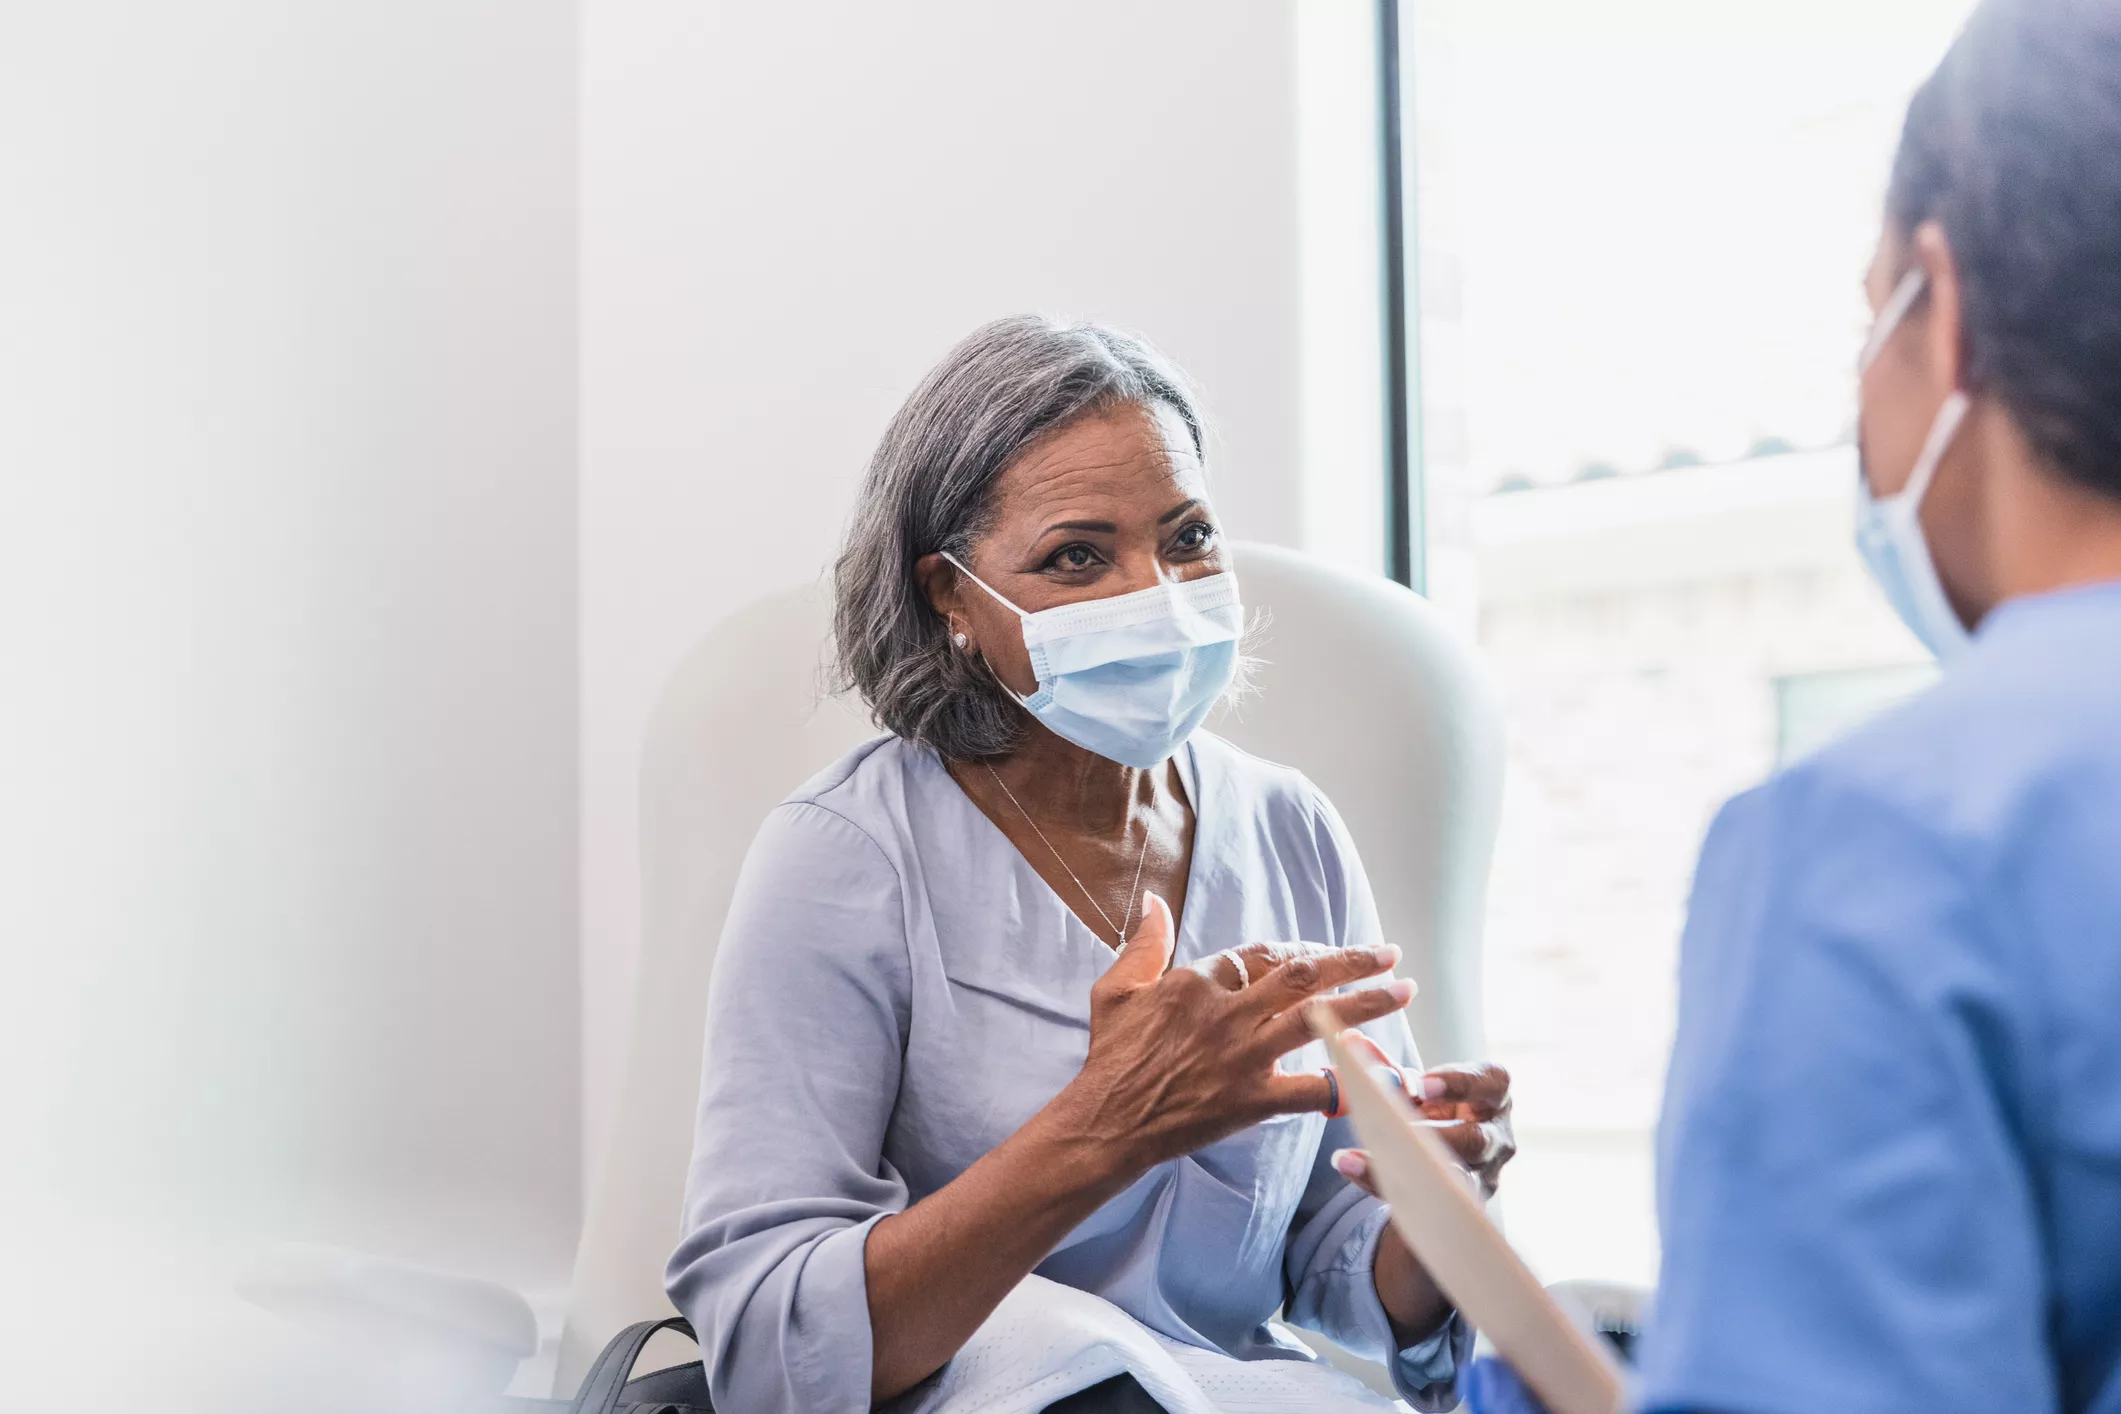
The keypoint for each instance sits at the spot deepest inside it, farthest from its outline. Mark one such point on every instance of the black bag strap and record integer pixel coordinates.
(605, 1383)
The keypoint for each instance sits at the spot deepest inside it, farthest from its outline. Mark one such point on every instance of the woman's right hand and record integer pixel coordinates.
(1179, 1060)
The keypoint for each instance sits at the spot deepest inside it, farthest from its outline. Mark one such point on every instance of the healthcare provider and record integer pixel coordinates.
(1890, 1159)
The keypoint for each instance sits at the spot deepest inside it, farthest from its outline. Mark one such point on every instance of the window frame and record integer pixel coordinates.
(1406, 548)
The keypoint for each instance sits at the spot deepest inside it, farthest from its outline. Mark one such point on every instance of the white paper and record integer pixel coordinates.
(1047, 1341)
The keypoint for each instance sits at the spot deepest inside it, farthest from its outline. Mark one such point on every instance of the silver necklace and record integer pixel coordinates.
(1132, 893)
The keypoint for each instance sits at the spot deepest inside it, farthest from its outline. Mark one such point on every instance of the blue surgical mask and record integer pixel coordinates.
(1889, 530)
(1130, 677)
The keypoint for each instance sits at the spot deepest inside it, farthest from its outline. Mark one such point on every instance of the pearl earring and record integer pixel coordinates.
(959, 639)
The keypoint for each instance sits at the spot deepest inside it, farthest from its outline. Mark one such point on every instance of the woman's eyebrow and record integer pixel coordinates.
(1106, 527)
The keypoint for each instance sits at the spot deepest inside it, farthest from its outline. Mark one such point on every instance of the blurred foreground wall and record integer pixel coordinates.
(287, 711)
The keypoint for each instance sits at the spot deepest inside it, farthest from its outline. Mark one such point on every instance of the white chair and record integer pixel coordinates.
(1363, 688)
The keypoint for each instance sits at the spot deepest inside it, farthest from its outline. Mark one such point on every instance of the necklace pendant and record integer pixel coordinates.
(1119, 930)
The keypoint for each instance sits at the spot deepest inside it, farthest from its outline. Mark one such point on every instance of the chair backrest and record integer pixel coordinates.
(1363, 688)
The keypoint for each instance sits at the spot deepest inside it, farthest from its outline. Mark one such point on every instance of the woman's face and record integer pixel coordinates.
(1104, 506)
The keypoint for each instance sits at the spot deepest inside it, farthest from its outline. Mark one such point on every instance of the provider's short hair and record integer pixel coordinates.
(2014, 147)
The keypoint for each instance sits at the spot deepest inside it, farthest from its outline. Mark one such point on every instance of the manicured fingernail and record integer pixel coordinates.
(1349, 1163)
(1401, 991)
(1432, 1087)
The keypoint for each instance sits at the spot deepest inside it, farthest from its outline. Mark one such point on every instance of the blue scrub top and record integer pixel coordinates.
(1890, 1160)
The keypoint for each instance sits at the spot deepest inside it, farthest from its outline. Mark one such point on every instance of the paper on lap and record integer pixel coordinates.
(1433, 1209)
(1047, 1341)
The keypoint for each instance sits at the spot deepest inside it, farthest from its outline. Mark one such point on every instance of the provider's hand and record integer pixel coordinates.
(1491, 1387)
(1469, 1107)
(1179, 1059)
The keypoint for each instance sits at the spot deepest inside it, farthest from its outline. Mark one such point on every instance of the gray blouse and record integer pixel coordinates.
(898, 991)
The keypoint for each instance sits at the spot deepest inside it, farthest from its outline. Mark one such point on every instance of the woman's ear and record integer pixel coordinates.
(936, 579)
(940, 585)
(1944, 329)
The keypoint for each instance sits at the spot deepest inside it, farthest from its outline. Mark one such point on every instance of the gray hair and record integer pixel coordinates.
(930, 487)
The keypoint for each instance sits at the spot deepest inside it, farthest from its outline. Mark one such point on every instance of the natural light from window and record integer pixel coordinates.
(1640, 229)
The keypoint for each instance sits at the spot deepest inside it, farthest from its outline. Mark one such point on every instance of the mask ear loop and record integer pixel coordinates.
(1946, 425)
(960, 564)
(961, 569)
(1895, 309)
(1934, 447)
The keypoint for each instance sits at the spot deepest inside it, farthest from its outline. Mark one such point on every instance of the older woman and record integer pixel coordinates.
(997, 994)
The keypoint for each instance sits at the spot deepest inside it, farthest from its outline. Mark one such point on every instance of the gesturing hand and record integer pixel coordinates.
(1471, 1101)
(1469, 1107)
(1178, 1060)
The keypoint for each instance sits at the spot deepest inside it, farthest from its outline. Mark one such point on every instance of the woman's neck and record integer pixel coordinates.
(1063, 786)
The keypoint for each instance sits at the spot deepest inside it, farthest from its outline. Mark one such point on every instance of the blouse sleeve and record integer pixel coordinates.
(1329, 1269)
(788, 1174)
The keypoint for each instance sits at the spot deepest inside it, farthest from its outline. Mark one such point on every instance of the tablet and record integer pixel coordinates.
(1434, 1209)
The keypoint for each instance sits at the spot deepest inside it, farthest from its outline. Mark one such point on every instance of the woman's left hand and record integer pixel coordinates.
(1469, 1108)
(1467, 1104)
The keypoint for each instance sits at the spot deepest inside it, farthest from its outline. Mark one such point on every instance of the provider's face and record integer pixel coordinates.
(1916, 369)
(1104, 506)
(1896, 393)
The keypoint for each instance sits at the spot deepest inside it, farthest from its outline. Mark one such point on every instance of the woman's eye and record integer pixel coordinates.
(1197, 536)
(1073, 557)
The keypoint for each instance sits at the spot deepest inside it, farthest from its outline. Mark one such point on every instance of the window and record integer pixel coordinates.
(1811, 709)
(1636, 235)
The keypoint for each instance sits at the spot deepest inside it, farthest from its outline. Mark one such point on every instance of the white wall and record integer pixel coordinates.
(287, 547)
(790, 212)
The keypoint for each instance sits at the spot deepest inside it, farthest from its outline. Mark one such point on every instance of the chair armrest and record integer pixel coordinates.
(1615, 1310)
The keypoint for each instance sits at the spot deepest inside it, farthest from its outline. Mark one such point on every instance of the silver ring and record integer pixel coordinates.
(1237, 965)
